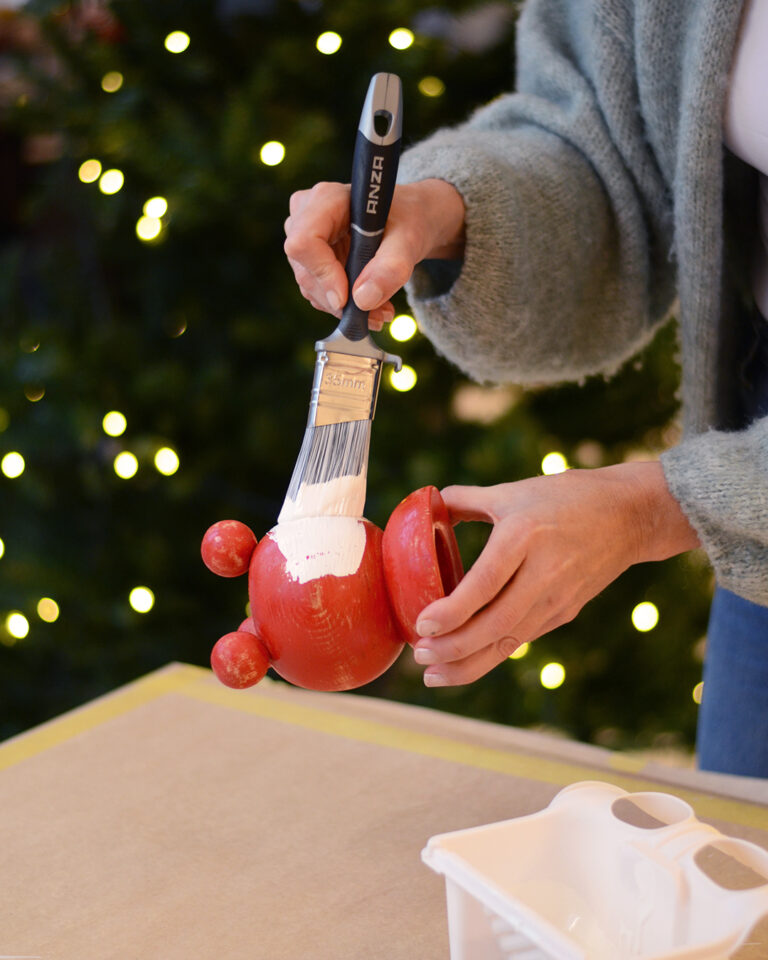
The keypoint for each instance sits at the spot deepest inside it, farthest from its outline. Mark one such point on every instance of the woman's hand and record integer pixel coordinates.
(557, 541)
(426, 219)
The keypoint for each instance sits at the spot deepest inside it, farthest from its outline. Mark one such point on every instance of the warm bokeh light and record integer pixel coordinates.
(328, 42)
(17, 625)
(12, 465)
(47, 609)
(111, 181)
(431, 87)
(645, 616)
(141, 599)
(401, 38)
(33, 393)
(403, 379)
(2, 548)
(177, 41)
(552, 675)
(272, 153)
(156, 207)
(554, 463)
(474, 403)
(148, 228)
(89, 171)
(126, 465)
(167, 461)
(114, 423)
(520, 652)
(402, 327)
(111, 81)
(698, 692)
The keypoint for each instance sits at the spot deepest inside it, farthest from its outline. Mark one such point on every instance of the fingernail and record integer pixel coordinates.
(427, 628)
(434, 679)
(369, 295)
(424, 655)
(334, 300)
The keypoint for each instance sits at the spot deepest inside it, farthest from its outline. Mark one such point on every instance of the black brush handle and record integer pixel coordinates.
(374, 171)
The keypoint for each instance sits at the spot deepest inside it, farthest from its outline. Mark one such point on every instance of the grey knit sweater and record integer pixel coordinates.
(595, 196)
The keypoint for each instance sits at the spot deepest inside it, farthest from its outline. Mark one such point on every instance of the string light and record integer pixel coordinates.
(520, 652)
(403, 379)
(552, 675)
(698, 692)
(125, 465)
(431, 87)
(89, 171)
(12, 465)
(156, 207)
(401, 38)
(177, 41)
(272, 153)
(114, 423)
(141, 599)
(148, 228)
(111, 181)
(47, 609)
(17, 625)
(645, 616)
(554, 463)
(328, 42)
(2, 548)
(112, 81)
(33, 393)
(166, 461)
(402, 327)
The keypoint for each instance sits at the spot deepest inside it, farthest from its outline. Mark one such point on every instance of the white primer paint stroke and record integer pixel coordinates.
(316, 547)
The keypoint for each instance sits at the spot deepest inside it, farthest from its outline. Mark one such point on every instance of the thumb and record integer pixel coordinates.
(390, 268)
(468, 503)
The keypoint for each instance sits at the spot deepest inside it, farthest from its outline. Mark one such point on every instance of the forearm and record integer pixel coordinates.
(661, 527)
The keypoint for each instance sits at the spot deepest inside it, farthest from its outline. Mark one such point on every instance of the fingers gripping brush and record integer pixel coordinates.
(331, 471)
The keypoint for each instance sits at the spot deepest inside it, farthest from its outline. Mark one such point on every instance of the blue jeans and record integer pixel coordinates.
(733, 719)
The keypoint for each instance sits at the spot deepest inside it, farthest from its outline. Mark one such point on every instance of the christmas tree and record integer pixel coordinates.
(158, 357)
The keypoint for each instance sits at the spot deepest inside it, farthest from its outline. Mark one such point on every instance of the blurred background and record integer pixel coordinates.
(156, 358)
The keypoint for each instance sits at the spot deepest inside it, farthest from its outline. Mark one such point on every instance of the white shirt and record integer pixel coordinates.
(746, 121)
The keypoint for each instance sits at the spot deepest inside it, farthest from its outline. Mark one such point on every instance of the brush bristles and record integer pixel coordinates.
(330, 473)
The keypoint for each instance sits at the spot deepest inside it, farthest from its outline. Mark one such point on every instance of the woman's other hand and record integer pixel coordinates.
(557, 541)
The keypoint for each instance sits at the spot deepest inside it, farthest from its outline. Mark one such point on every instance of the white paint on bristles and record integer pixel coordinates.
(338, 497)
(316, 547)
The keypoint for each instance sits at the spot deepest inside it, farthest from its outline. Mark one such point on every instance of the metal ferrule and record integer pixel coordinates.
(344, 388)
(346, 382)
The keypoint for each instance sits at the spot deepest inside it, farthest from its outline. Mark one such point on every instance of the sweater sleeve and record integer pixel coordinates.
(719, 479)
(567, 268)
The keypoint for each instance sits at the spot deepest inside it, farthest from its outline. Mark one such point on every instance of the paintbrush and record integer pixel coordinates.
(331, 470)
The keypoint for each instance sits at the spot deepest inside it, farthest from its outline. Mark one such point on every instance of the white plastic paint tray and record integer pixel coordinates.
(600, 874)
